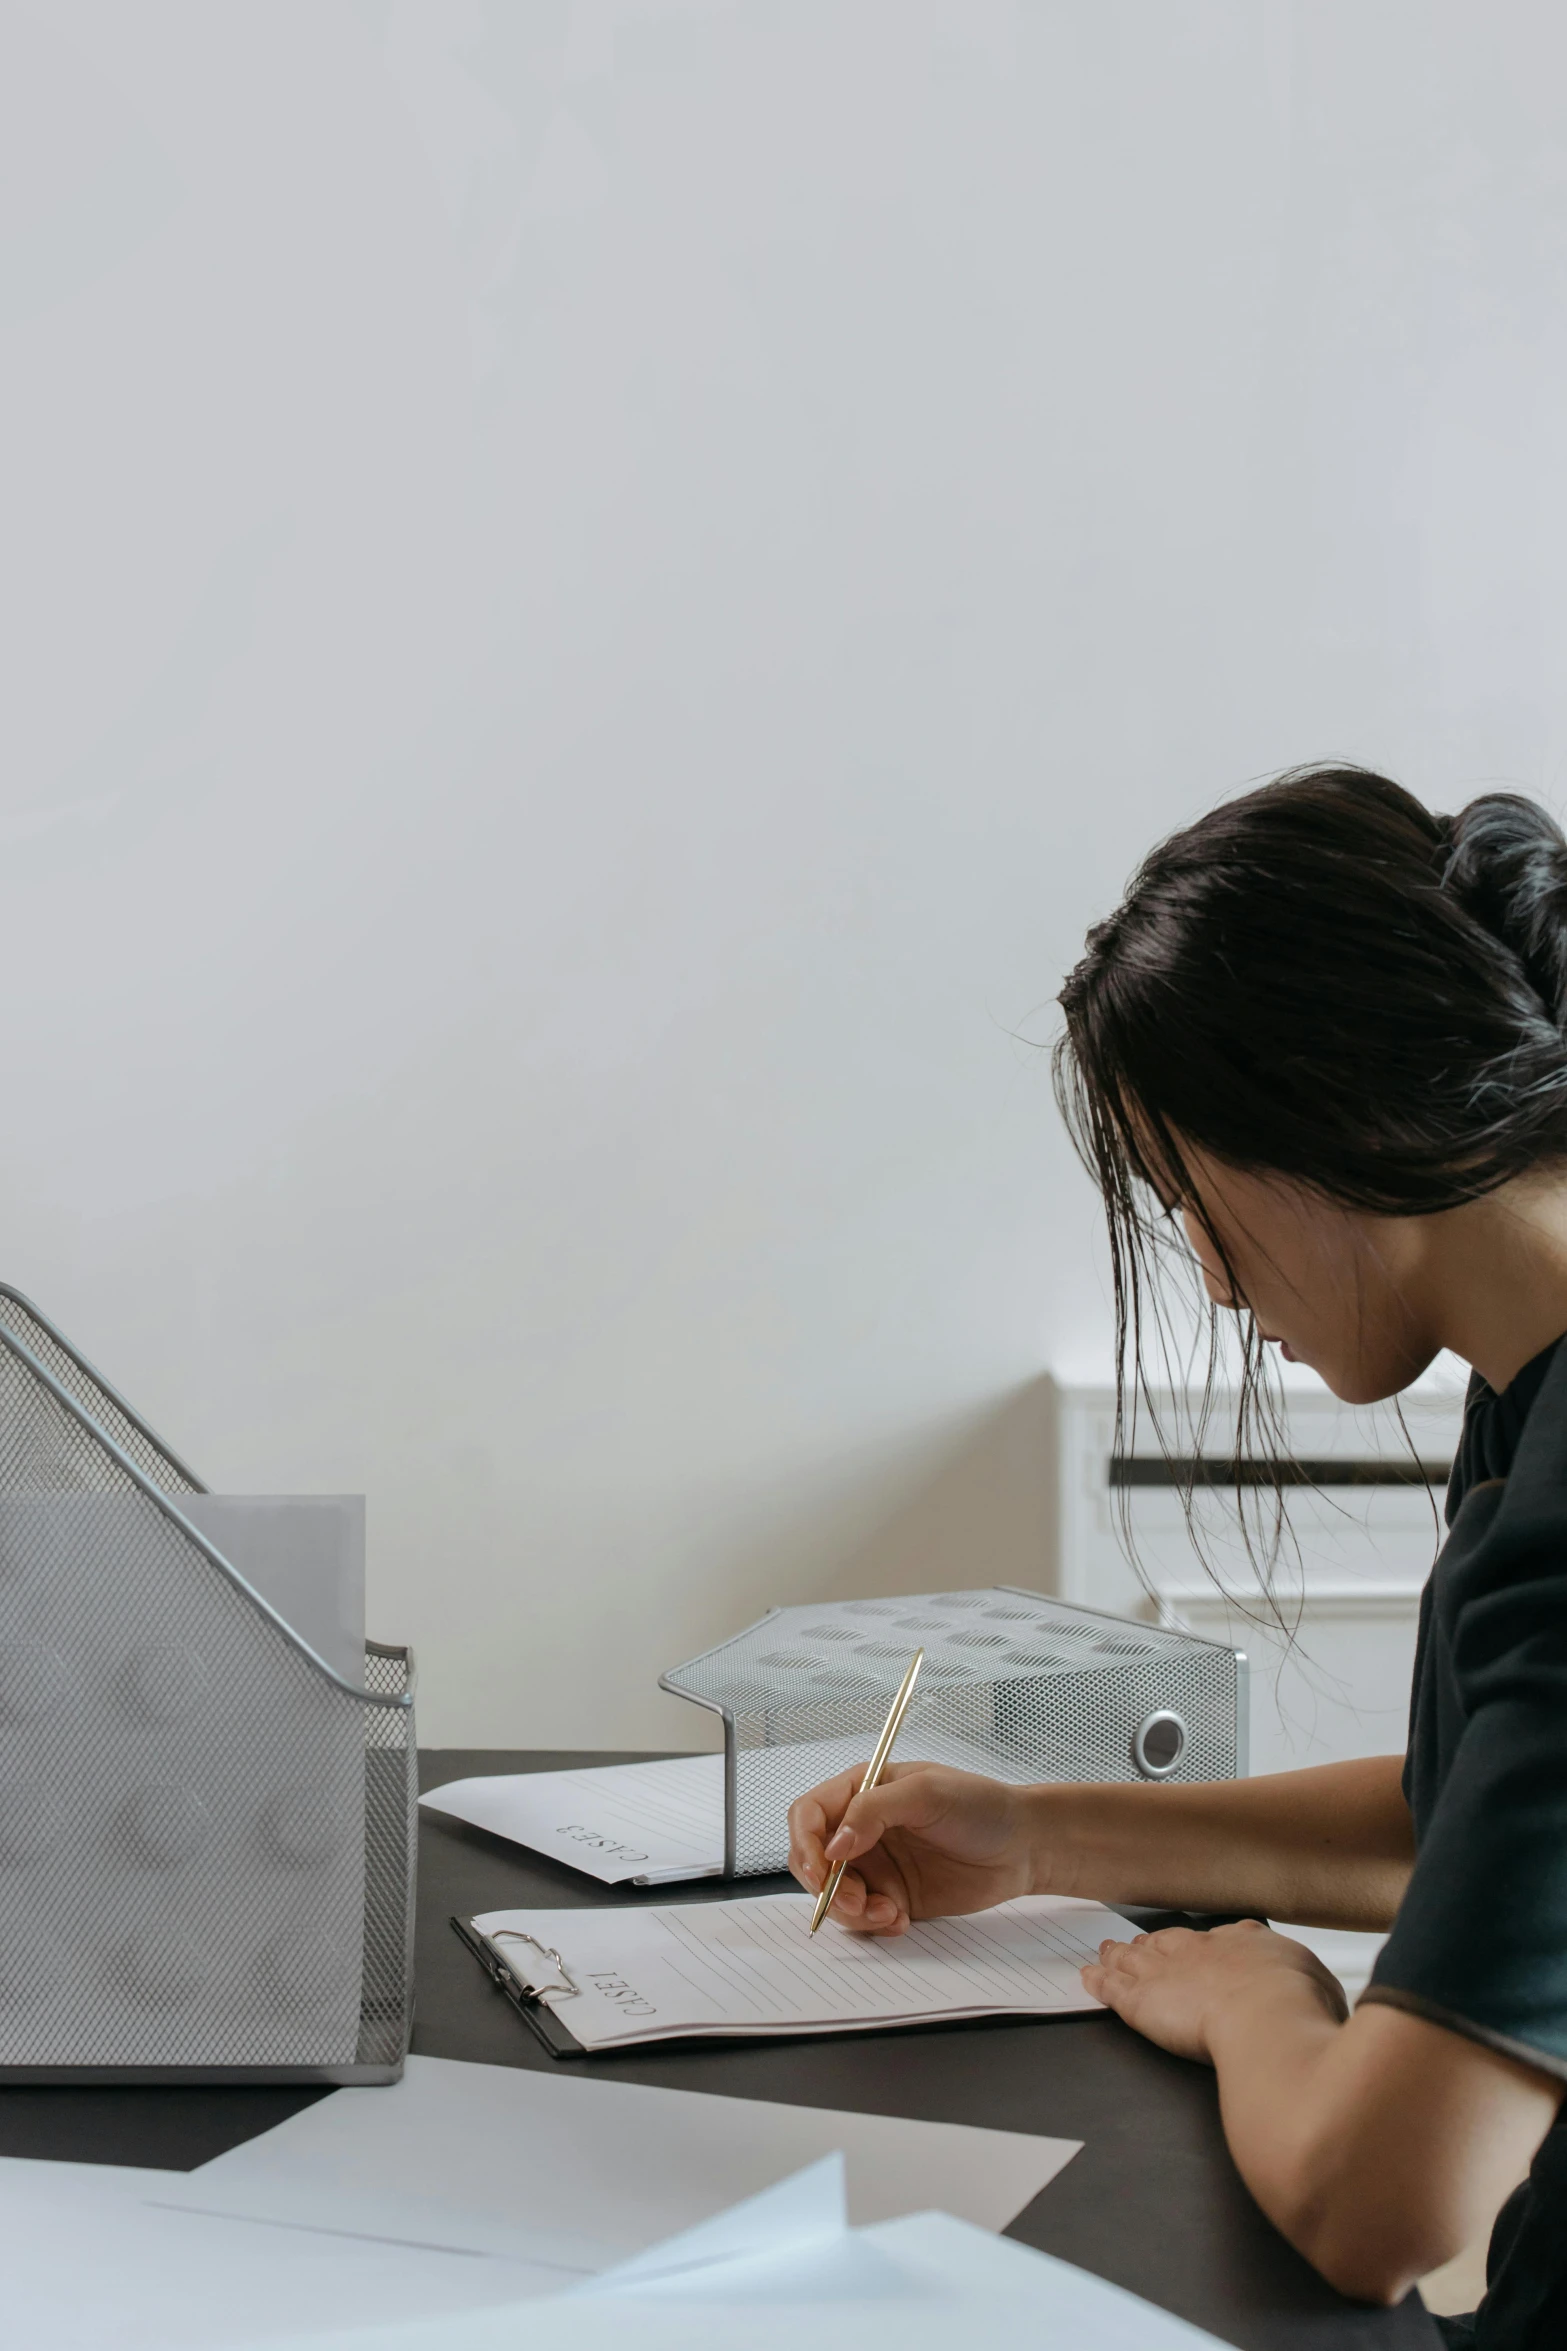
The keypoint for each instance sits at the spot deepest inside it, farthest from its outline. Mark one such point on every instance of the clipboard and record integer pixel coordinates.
(746, 1970)
(527, 1999)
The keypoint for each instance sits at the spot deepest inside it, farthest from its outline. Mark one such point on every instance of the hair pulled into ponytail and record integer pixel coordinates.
(1324, 981)
(1506, 865)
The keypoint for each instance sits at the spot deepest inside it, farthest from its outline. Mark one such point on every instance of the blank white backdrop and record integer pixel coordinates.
(595, 596)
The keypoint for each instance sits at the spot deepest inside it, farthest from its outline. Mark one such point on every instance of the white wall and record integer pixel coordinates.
(595, 595)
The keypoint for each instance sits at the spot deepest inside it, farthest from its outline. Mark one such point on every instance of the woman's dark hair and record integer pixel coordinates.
(1320, 980)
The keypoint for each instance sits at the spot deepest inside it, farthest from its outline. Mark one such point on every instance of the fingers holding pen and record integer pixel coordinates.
(810, 1824)
(823, 1831)
(816, 1826)
(866, 1909)
(840, 1821)
(929, 1841)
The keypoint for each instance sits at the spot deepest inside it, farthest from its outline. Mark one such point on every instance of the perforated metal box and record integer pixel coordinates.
(206, 1835)
(1015, 1685)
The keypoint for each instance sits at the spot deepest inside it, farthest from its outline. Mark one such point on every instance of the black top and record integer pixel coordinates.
(1480, 1941)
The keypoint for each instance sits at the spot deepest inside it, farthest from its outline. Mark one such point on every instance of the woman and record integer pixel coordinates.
(1325, 1031)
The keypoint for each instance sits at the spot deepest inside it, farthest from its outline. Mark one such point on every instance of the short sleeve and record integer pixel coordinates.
(1480, 1941)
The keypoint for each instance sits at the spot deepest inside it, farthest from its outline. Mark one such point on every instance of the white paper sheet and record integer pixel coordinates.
(553, 2166)
(791, 2244)
(751, 1966)
(924, 2283)
(159, 2280)
(125, 2179)
(642, 1824)
(88, 2264)
(809, 2209)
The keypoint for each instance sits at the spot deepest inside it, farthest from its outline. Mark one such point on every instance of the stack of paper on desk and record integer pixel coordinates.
(95, 2256)
(461, 2188)
(752, 1966)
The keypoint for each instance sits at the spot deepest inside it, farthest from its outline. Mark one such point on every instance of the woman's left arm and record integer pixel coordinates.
(1380, 2146)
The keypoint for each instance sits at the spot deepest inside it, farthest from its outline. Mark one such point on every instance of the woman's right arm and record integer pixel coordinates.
(1329, 1847)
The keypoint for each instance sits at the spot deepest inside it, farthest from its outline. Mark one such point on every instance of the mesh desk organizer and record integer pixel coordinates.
(1015, 1685)
(206, 1835)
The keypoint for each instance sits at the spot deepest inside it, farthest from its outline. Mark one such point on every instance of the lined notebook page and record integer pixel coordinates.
(752, 1966)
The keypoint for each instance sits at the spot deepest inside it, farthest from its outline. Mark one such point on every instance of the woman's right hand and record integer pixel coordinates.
(929, 1842)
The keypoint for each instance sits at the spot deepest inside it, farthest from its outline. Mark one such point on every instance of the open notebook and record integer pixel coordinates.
(601, 1979)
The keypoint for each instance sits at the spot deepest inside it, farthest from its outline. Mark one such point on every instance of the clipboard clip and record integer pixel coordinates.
(566, 1989)
(541, 2016)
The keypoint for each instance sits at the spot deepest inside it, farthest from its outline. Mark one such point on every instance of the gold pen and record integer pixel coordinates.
(900, 1707)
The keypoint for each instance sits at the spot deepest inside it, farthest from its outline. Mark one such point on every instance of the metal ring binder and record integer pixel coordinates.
(540, 2017)
(568, 1987)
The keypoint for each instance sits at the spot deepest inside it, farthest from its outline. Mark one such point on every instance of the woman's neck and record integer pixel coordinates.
(1493, 1275)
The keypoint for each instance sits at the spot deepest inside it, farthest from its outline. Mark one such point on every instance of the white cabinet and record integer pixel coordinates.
(1331, 1650)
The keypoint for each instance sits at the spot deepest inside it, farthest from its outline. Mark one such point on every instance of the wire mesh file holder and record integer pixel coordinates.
(206, 1835)
(1014, 1684)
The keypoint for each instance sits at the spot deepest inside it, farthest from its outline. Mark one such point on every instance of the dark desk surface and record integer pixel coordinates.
(1152, 2201)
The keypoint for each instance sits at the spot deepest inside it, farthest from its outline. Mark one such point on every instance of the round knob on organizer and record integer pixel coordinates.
(1158, 1743)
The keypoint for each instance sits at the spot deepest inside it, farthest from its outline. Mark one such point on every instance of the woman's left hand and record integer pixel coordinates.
(1170, 1986)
